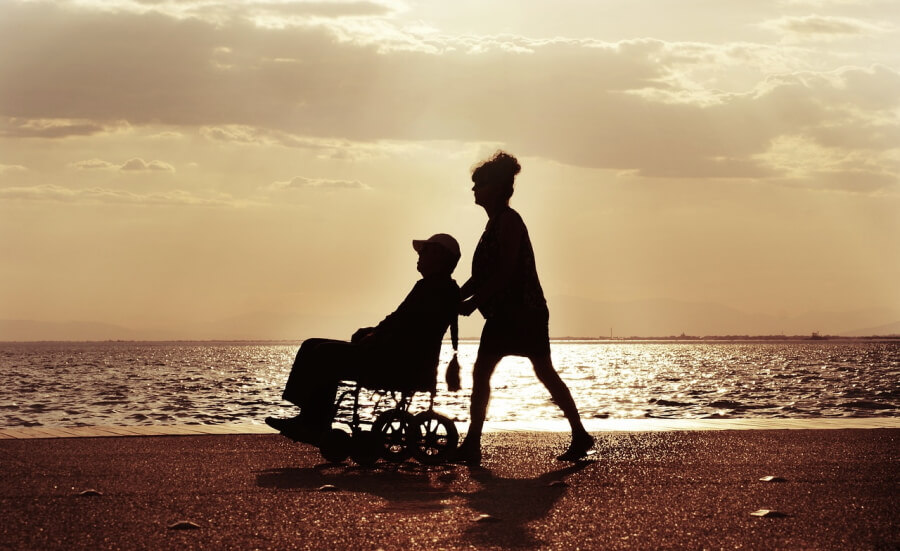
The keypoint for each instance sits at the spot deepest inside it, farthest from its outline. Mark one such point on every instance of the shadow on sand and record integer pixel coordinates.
(404, 486)
(509, 505)
(502, 508)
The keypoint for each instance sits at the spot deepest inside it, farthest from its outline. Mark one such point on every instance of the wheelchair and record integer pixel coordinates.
(394, 425)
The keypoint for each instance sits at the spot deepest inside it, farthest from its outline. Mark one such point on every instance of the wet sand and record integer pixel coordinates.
(642, 490)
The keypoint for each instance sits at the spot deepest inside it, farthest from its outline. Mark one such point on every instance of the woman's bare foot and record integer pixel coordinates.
(579, 448)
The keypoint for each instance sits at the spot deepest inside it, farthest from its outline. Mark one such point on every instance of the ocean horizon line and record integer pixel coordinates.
(564, 339)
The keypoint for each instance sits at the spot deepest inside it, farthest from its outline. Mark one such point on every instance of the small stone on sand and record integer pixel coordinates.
(768, 513)
(184, 525)
(773, 479)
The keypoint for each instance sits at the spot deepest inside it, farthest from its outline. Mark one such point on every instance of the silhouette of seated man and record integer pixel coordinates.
(399, 353)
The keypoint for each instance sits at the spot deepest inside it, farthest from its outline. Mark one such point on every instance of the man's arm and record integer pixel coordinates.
(396, 321)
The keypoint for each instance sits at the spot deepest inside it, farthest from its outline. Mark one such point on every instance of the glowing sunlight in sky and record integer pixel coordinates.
(257, 169)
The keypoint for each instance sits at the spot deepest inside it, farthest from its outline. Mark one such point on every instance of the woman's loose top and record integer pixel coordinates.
(503, 264)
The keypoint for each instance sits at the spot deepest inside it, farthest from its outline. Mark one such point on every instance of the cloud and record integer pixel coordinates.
(168, 135)
(11, 168)
(53, 128)
(132, 165)
(54, 193)
(341, 89)
(802, 162)
(139, 165)
(324, 9)
(825, 3)
(653, 108)
(94, 164)
(316, 183)
(324, 148)
(270, 13)
(236, 134)
(818, 27)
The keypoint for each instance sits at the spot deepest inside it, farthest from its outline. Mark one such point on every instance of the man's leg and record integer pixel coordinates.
(312, 384)
(336, 361)
(307, 361)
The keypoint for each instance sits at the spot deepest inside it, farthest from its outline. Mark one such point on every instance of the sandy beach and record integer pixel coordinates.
(642, 490)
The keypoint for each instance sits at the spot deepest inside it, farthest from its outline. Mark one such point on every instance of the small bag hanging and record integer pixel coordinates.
(452, 375)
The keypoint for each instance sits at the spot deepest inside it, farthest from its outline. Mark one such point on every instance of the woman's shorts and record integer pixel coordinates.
(526, 334)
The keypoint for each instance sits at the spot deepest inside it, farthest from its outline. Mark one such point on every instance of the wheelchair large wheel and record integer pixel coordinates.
(395, 427)
(335, 445)
(366, 448)
(434, 437)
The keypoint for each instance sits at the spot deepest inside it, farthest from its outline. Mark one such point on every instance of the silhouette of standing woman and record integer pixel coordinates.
(505, 288)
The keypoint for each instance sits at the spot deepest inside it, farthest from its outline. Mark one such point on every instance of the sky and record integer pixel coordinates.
(203, 168)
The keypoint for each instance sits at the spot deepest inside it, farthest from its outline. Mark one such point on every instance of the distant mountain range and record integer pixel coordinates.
(569, 317)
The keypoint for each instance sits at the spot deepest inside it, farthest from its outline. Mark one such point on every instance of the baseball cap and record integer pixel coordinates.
(444, 240)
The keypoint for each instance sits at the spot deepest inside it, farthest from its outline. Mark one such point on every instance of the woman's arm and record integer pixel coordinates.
(466, 302)
(467, 289)
(509, 237)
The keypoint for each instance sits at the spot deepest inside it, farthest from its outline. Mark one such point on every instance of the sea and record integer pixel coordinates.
(67, 384)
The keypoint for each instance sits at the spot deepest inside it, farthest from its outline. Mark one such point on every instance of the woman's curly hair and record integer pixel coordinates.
(501, 169)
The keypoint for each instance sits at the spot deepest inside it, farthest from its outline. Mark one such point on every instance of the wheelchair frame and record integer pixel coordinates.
(392, 433)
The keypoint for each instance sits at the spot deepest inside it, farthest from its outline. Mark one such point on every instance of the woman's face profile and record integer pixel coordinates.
(485, 192)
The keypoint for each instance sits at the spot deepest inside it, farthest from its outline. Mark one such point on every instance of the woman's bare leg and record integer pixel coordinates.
(581, 440)
(543, 368)
(481, 395)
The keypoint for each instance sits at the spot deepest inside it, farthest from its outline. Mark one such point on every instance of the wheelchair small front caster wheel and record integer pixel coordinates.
(366, 448)
(335, 446)
(395, 427)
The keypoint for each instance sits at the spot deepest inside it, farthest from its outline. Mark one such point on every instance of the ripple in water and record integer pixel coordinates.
(115, 383)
